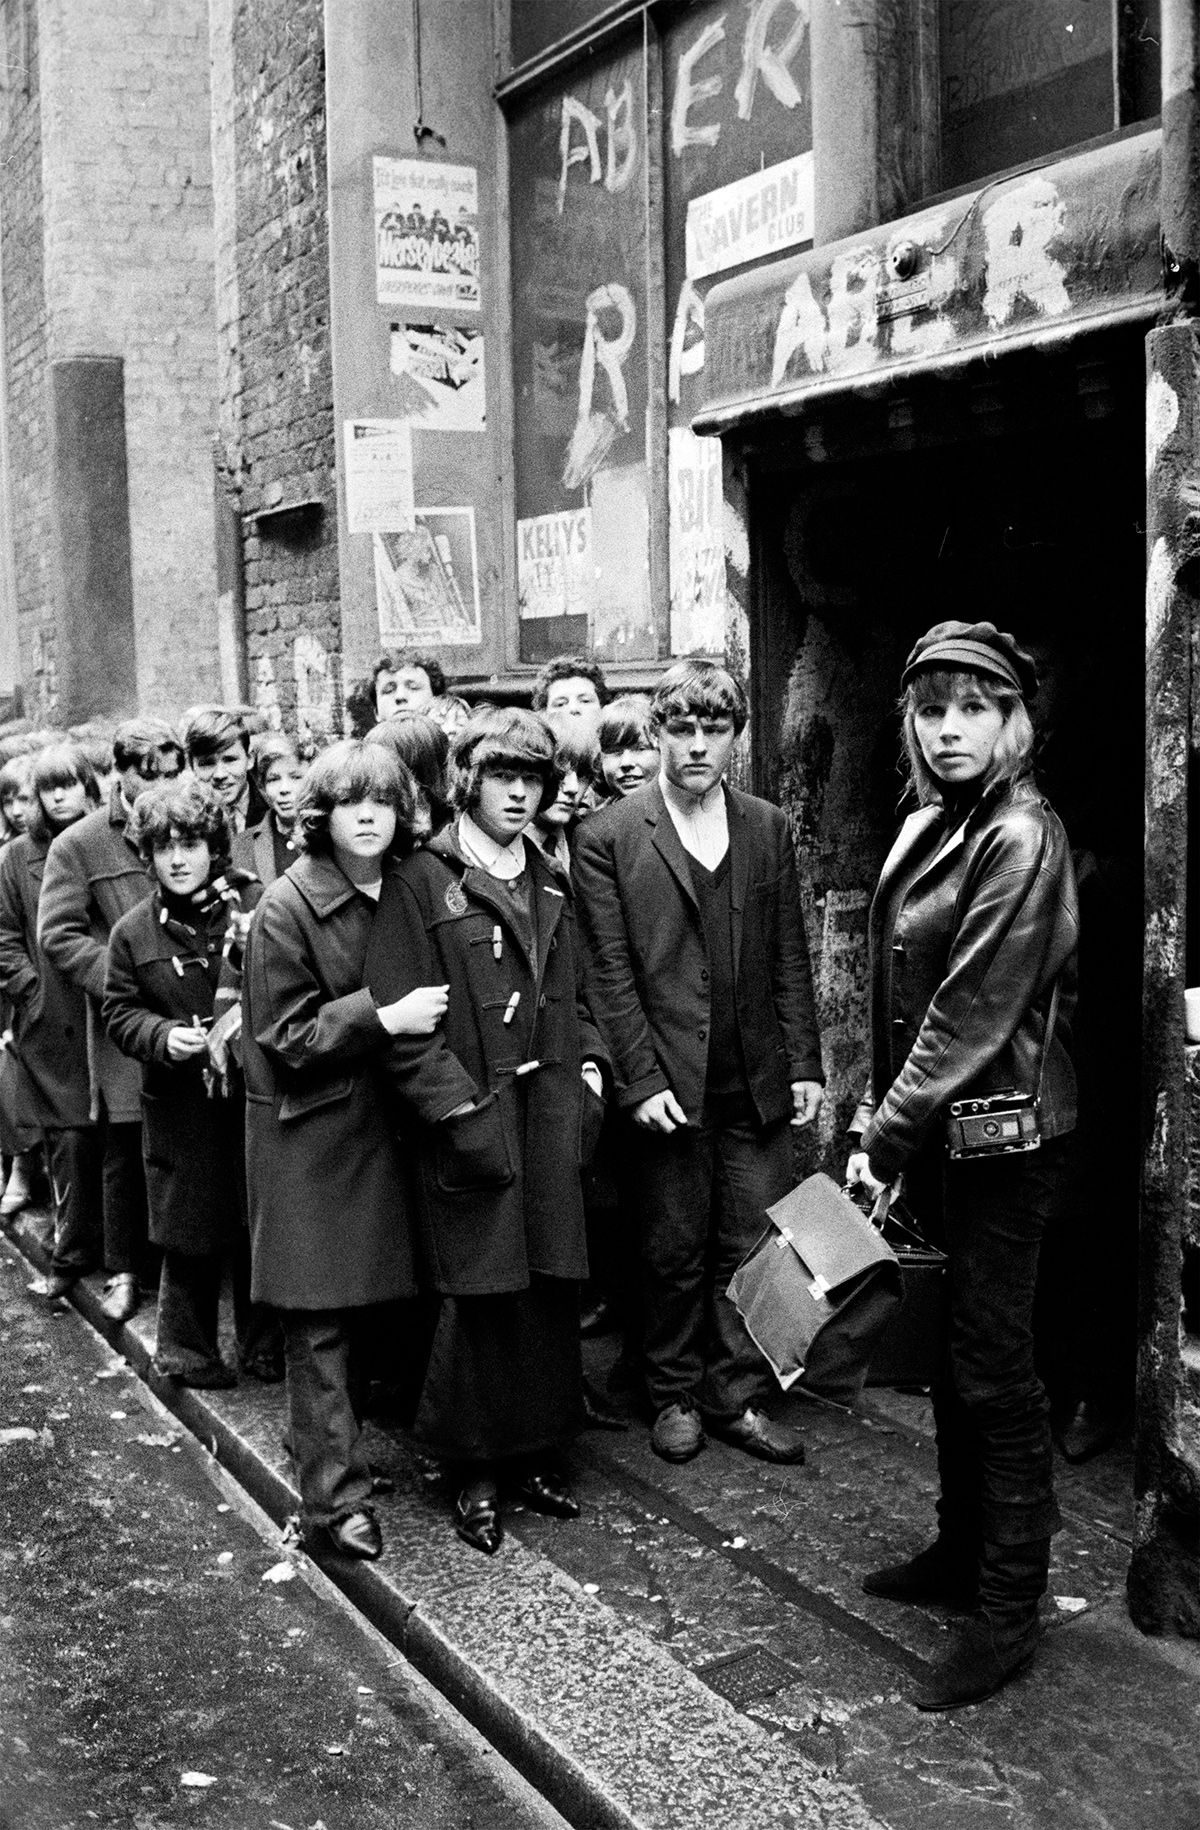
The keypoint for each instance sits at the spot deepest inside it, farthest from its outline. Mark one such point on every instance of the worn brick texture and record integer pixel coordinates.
(127, 213)
(276, 411)
(24, 354)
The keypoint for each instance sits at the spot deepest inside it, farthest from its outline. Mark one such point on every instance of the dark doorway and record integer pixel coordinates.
(1019, 500)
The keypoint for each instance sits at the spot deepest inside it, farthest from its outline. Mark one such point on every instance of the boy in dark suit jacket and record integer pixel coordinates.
(698, 975)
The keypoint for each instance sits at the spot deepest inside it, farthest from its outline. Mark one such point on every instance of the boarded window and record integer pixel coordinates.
(1023, 78)
(738, 139)
(580, 353)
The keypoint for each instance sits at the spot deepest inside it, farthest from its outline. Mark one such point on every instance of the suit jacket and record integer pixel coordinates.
(647, 966)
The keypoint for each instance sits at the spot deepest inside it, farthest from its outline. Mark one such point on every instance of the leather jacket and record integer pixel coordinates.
(968, 934)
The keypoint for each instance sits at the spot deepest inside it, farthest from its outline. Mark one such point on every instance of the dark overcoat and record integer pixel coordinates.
(49, 1017)
(93, 875)
(192, 1145)
(499, 1193)
(328, 1216)
(647, 960)
(969, 930)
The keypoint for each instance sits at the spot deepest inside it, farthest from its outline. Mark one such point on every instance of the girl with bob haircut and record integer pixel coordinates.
(973, 934)
(171, 994)
(577, 761)
(49, 1019)
(349, 774)
(328, 1205)
(500, 1108)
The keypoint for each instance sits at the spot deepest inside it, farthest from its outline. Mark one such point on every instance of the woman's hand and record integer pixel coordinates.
(858, 1170)
(418, 1014)
(185, 1043)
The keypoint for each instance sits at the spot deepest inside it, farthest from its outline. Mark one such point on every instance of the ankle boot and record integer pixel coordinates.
(1002, 1635)
(944, 1572)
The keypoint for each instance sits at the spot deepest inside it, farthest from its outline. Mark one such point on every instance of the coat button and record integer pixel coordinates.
(703, 1034)
(542, 1002)
(704, 975)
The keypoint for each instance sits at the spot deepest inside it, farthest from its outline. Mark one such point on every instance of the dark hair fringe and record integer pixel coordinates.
(504, 737)
(189, 808)
(353, 771)
(424, 748)
(57, 766)
(211, 729)
(699, 689)
(625, 724)
(138, 738)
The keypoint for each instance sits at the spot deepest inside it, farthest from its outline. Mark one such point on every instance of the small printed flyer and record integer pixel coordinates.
(379, 475)
(426, 234)
(439, 370)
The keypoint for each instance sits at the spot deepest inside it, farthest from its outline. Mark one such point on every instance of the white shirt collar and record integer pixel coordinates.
(502, 861)
(702, 824)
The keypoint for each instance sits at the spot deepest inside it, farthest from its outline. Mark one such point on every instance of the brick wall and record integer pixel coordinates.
(127, 212)
(276, 417)
(24, 355)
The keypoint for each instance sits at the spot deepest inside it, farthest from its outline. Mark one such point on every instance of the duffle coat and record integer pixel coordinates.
(49, 1011)
(499, 1186)
(93, 875)
(328, 1214)
(192, 1144)
(969, 930)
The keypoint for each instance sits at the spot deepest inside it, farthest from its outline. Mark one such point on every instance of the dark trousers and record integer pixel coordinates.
(704, 1191)
(189, 1299)
(995, 1459)
(329, 1353)
(76, 1167)
(125, 1213)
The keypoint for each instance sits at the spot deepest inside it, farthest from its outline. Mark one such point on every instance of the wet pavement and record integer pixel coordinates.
(695, 1653)
(155, 1670)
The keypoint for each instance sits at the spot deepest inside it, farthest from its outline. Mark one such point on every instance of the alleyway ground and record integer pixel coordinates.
(577, 1649)
(141, 1642)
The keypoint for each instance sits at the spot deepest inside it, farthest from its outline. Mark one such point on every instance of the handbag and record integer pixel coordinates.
(817, 1289)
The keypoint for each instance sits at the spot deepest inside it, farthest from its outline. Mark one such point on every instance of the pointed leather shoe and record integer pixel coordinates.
(677, 1434)
(985, 1655)
(477, 1519)
(935, 1575)
(546, 1491)
(357, 1535)
(760, 1435)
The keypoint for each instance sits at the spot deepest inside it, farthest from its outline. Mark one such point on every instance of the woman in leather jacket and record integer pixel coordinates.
(973, 935)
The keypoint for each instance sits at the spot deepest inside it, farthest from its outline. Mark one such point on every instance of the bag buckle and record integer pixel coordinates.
(819, 1288)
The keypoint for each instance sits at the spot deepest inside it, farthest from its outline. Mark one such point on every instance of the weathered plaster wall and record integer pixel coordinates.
(127, 222)
(24, 357)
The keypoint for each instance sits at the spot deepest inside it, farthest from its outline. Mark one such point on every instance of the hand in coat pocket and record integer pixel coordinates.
(471, 1149)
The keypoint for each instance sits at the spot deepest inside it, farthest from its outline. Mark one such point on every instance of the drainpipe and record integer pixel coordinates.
(1164, 1574)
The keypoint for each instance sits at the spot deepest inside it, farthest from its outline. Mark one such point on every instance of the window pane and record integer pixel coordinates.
(579, 236)
(1021, 78)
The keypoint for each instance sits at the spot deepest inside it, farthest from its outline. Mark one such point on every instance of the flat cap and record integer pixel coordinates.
(977, 647)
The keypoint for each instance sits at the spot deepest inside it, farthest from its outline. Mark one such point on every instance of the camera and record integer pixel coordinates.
(994, 1124)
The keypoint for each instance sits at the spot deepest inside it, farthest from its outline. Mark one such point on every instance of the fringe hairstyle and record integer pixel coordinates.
(1012, 755)
(699, 689)
(504, 737)
(57, 766)
(350, 772)
(188, 809)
